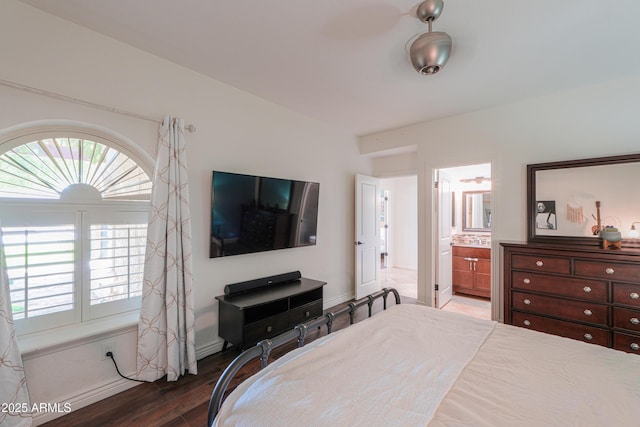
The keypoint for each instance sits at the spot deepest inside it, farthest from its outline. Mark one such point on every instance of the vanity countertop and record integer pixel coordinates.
(471, 240)
(473, 245)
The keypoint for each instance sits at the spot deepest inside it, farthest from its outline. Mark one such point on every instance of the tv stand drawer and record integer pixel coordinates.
(266, 328)
(306, 312)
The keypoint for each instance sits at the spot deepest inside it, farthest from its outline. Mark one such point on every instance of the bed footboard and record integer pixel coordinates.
(263, 349)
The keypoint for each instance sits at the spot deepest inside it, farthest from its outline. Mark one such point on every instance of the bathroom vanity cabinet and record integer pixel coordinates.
(471, 271)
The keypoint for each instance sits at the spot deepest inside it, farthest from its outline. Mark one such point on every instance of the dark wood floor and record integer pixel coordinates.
(183, 402)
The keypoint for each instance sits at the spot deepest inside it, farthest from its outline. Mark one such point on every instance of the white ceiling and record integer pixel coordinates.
(345, 62)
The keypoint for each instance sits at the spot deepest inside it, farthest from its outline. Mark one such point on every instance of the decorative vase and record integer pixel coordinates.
(610, 234)
(610, 237)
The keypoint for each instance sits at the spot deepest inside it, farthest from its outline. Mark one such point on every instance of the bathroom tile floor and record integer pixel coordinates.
(404, 281)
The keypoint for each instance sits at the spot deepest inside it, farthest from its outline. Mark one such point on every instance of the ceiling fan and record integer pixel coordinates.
(430, 52)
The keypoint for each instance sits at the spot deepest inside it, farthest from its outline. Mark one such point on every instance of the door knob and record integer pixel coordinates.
(359, 243)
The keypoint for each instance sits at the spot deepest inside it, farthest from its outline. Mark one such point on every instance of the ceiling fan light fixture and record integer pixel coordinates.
(430, 52)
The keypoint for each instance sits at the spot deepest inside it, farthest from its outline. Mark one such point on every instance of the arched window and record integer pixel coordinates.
(73, 209)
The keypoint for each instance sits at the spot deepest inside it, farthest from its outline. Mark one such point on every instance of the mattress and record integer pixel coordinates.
(415, 366)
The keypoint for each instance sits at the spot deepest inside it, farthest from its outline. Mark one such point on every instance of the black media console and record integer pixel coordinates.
(264, 308)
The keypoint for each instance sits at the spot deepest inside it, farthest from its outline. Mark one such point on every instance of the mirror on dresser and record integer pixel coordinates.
(476, 210)
(572, 201)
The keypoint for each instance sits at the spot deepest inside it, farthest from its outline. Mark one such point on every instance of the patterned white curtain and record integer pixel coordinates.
(166, 336)
(13, 384)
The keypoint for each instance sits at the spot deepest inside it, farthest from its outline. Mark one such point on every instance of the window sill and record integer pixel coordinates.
(53, 340)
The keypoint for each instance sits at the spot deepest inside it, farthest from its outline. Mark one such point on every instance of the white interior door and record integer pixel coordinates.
(367, 236)
(443, 219)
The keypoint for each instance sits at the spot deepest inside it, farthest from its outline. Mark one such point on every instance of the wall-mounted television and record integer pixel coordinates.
(254, 213)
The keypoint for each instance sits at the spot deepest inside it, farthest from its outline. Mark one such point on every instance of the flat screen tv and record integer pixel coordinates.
(255, 213)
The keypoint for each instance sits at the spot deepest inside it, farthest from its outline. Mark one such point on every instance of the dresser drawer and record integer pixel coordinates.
(541, 263)
(626, 319)
(576, 331)
(591, 290)
(626, 342)
(583, 311)
(608, 270)
(626, 294)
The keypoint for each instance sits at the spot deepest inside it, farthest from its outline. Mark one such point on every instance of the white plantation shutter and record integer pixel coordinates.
(40, 266)
(117, 261)
(117, 243)
(74, 209)
(44, 168)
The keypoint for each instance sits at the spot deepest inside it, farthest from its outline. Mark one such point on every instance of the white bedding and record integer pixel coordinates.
(417, 366)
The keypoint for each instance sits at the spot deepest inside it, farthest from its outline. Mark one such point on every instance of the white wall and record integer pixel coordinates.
(403, 221)
(236, 132)
(593, 121)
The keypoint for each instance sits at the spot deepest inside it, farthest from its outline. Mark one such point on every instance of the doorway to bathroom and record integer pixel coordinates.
(462, 239)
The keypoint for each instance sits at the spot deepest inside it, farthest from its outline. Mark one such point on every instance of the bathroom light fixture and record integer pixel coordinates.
(430, 51)
(477, 179)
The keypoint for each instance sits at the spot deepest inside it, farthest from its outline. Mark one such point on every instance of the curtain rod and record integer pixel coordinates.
(189, 127)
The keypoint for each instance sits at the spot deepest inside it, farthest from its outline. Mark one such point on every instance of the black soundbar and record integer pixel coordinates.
(250, 285)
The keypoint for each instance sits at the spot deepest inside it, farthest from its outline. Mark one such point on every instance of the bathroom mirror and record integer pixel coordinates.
(476, 211)
(570, 201)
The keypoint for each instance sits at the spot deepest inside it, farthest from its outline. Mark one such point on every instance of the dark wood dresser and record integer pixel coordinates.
(584, 293)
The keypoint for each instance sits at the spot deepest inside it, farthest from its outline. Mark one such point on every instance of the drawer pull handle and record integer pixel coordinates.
(269, 328)
(609, 270)
(635, 346)
(527, 301)
(539, 263)
(527, 281)
(588, 312)
(527, 323)
(586, 289)
(635, 321)
(634, 295)
(588, 337)
(306, 314)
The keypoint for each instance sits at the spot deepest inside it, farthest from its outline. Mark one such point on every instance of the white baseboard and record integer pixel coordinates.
(209, 349)
(109, 388)
(327, 303)
(86, 397)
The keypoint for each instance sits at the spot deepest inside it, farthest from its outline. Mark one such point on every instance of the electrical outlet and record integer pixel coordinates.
(108, 347)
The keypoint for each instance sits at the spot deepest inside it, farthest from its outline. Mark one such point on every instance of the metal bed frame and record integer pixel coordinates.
(263, 349)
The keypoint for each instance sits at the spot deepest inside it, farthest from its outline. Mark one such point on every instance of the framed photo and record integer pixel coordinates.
(546, 218)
